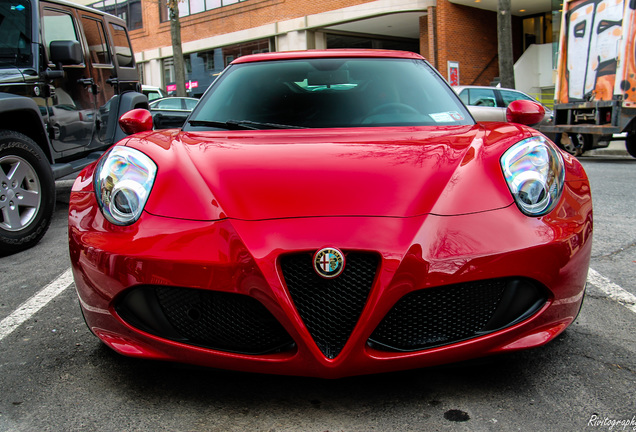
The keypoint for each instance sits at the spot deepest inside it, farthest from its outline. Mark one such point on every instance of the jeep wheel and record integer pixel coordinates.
(630, 144)
(27, 192)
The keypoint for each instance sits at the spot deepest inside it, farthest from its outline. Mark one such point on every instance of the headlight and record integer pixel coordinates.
(535, 175)
(123, 179)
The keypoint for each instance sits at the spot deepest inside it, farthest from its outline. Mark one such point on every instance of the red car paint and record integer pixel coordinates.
(431, 202)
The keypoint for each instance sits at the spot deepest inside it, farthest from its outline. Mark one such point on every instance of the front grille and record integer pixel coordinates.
(443, 315)
(217, 320)
(330, 308)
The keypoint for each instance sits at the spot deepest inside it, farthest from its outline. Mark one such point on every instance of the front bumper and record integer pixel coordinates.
(119, 272)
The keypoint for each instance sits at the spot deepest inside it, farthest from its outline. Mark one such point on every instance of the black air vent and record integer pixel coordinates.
(443, 315)
(217, 320)
(330, 308)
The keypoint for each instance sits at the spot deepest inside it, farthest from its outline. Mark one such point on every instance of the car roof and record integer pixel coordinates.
(74, 5)
(330, 53)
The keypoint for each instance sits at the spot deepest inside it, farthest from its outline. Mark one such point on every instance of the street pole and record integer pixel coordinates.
(504, 37)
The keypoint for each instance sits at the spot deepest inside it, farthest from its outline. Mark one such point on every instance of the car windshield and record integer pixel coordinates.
(328, 93)
(15, 33)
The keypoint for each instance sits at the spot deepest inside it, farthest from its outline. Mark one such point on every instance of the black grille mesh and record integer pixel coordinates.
(223, 321)
(438, 316)
(330, 308)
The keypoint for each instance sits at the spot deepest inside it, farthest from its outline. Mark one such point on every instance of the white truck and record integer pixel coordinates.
(595, 95)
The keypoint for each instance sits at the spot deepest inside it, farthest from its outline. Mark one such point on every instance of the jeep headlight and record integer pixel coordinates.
(123, 180)
(535, 175)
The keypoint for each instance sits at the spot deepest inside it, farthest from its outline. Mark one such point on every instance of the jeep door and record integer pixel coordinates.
(70, 107)
(103, 72)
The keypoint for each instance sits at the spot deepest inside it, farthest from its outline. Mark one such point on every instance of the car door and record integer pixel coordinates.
(70, 109)
(103, 73)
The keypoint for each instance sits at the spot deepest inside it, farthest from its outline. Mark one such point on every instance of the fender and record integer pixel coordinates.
(13, 111)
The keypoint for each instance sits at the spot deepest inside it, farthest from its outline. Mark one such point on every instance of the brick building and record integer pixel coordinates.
(454, 35)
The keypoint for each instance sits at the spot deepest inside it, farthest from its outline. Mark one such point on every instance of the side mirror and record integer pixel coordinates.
(525, 112)
(137, 120)
(66, 53)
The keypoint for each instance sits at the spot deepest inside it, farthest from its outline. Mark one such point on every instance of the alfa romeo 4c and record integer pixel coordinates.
(330, 213)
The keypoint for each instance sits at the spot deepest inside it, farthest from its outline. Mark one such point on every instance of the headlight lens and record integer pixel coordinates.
(535, 175)
(123, 180)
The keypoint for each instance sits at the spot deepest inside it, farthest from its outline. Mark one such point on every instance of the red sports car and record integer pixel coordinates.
(330, 213)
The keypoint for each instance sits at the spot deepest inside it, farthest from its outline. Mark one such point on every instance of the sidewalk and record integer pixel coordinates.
(616, 148)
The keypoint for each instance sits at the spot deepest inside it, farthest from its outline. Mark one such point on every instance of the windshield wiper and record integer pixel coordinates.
(242, 124)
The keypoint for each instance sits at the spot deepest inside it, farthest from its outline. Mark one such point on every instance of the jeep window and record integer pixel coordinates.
(123, 51)
(15, 33)
(96, 38)
(58, 26)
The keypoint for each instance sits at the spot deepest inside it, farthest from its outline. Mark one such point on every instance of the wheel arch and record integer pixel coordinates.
(21, 114)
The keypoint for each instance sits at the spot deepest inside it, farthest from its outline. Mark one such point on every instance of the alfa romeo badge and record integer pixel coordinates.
(329, 262)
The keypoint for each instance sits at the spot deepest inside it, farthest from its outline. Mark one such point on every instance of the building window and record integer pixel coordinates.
(168, 70)
(190, 7)
(203, 67)
(128, 10)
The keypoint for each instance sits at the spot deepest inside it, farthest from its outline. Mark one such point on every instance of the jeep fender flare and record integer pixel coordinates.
(22, 114)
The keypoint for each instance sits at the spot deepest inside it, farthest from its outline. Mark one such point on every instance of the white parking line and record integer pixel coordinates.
(35, 303)
(52, 290)
(612, 290)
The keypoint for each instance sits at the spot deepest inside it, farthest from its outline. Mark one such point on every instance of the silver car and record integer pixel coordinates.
(490, 103)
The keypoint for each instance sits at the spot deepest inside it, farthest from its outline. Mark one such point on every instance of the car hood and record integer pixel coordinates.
(384, 172)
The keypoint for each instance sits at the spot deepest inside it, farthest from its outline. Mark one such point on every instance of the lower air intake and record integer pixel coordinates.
(448, 314)
(211, 319)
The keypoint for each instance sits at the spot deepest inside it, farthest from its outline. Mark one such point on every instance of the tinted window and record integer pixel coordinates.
(464, 96)
(169, 103)
(58, 26)
(97, 46)
(15, 32)
(190, 104)
(152, 94)
(482, 97)
(511, 96)
(123, 51)
(332, 92)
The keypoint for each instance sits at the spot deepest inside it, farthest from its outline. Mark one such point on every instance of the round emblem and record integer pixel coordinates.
(329, 262)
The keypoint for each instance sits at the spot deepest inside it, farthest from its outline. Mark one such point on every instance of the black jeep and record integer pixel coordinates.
(67, 73)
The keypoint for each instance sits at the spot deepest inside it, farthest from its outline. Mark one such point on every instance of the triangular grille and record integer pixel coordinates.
(330, 308)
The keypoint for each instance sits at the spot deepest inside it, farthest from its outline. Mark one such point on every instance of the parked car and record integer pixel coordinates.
(68, 74)
(490, 103)
(171, 112)
(152, 92)
(330, 213)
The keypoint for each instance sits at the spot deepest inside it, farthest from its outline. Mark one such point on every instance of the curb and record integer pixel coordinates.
(615, 148)
(606, 152)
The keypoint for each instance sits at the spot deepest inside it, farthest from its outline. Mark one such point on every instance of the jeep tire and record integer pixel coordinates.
(27, 192)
